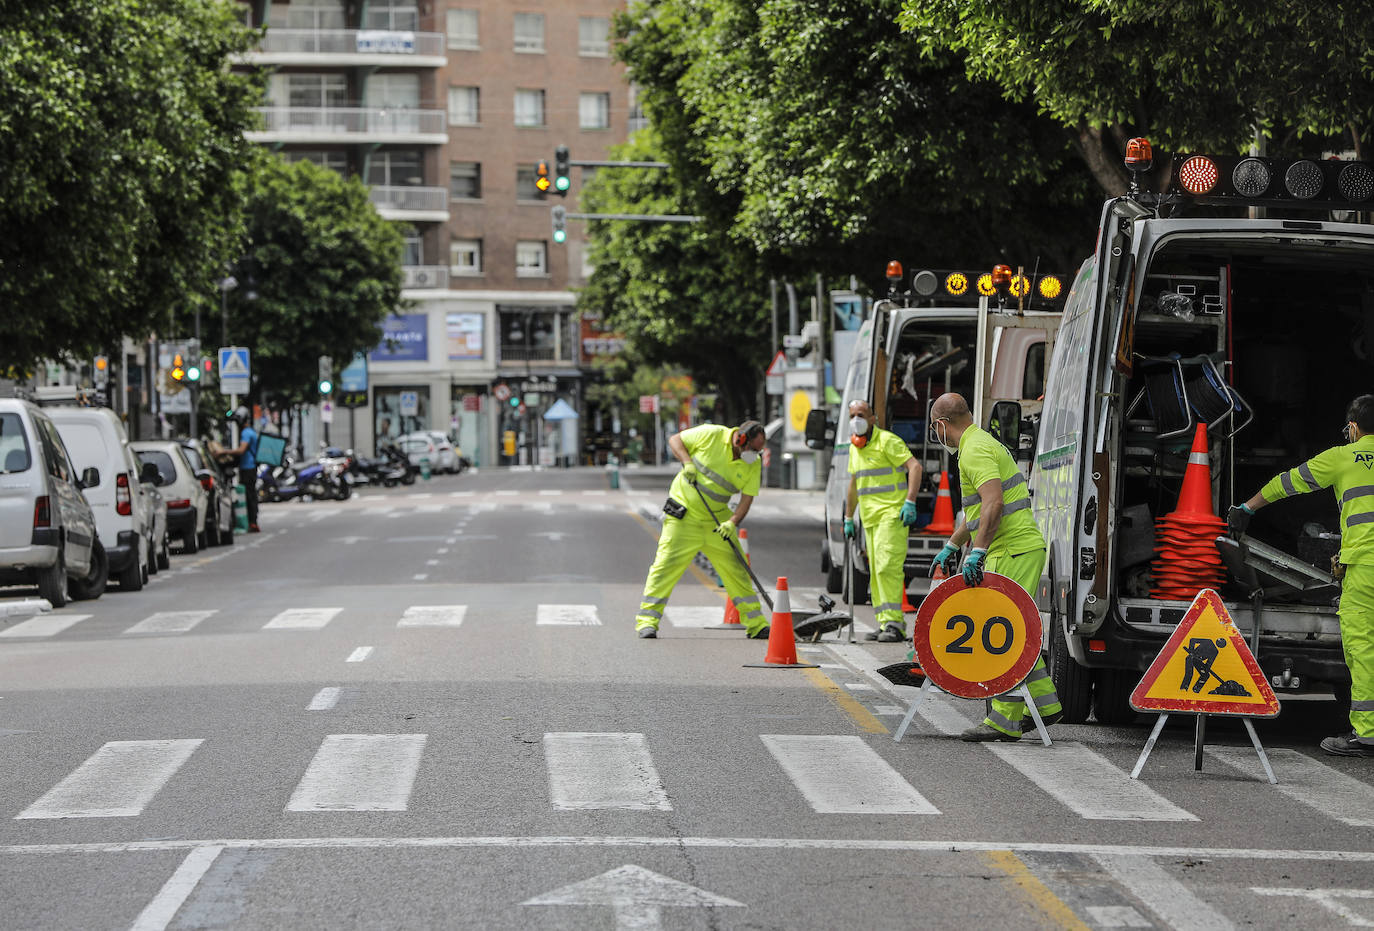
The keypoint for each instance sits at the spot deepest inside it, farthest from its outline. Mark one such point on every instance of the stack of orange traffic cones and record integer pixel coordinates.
(782, 642)
(1186, 558)
(943, 519)
(732, 621)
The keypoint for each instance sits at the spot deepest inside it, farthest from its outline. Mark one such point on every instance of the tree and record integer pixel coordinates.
(1190, 74)
(121, 132)
(326, 273)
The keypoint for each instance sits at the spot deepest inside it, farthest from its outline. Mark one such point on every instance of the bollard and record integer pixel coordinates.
(424, 468)
(240, 509)
(613, 472)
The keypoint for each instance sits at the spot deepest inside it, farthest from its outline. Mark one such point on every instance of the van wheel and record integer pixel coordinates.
(131, 579)
(190, 541)
(52, 582)
(212, 528)
(1111, 703)
(1072, 682)
(164, 554)
(93, 585)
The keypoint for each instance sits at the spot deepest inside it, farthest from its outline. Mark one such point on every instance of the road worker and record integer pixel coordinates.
(998, 521)
(883, 480)
(1348, 470)
(717, 463)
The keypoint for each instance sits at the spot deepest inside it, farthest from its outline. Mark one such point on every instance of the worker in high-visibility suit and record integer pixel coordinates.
(883, 480)
(998, 520)
(720, 462)
(1348, 470)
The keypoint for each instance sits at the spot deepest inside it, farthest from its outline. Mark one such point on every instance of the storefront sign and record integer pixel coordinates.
(464, 336)
(405, 338)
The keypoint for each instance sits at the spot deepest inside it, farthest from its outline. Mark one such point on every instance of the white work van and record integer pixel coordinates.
(1262, 328)
(904, 358)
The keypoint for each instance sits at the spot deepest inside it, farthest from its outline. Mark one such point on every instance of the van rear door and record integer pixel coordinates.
(21, 481)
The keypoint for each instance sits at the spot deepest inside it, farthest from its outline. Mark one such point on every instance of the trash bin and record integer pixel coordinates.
(613, 472)
(241, 509)
(424, 468)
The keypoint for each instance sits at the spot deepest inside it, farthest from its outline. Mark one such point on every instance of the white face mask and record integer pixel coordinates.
(858, 426)
(942, 435)
(749, 455)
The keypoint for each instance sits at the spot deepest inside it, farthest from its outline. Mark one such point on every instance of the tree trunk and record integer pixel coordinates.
(1102, 160)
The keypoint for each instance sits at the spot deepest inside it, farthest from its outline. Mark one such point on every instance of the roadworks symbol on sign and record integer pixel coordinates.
(1206, 667)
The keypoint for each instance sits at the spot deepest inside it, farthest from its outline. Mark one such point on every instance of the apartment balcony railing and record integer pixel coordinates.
(424, 277)
(405, 202)
(522, 353)
(350, 47)
(351, 124)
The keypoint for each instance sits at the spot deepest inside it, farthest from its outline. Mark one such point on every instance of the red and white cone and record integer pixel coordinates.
(782, 643)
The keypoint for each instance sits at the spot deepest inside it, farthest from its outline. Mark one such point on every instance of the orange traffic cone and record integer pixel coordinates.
(907, 607)
(943, 519)
(782, 643)
(732, 621)
(1186, 559)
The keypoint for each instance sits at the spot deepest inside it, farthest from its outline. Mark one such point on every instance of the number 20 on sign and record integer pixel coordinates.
(977, 642)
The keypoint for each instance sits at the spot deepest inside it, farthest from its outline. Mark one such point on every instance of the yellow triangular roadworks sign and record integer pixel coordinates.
(1206, 667)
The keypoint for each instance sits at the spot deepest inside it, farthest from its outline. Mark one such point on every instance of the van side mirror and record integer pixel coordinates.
(1005, 424)
(149, 474)
(820, 431)
(90, 477)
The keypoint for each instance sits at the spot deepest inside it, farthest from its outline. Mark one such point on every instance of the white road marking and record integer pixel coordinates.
(325, 699)
(420, 576)
(1088, 784)
(419, 495)
(169, 622)
(889, 709)
(430, 508)
(506, 493)
(118, 780)
(442, 550)
(358, 655)
(1308, 782)
(595, 494)
(451, 540)
(550, 491)
(460, 494)
(844, 775)
(568, 616)
(360, 772)
(602, 771)
(859, 687)
(1162, 894)
(45, 626)
(433, 616)
(431, 562)
(694, 616)
(302, 619)
(1327, 899)
(1117, 916)
(160, 912)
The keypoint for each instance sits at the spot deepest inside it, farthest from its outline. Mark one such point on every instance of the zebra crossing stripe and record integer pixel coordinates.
(1164, 895)
(360, 772)
(844, 775)
(169, 622)
(118, 780)
(694, 616)
(568, 616)
(1308, 782)
(44, 626)
(325, 699)
(1088, 784)
(302, 619)
(602, 771)
(433, 616)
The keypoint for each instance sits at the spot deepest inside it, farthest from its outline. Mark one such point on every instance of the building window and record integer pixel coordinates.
(637, 118)
(462, 29)
(465, 180)
(593, 36)
(392, 15)
(315, 14)
(396, 168)
(413, 252)
(392, 91)
(336, 162)
(531, 259)
(308, 90)
(594, 110)
(529, 108)
(524, 183)
(465, 257)
(463, 106)
(529, 32)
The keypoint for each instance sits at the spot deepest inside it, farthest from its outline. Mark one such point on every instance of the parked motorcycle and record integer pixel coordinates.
(392, 466)
(285, 482)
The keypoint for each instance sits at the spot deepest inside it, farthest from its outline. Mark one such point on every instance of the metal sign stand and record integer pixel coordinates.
(1023, 690)
(1199, 739)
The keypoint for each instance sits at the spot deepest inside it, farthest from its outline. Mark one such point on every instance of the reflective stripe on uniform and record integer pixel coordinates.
(645, 611)
(879, 489)
(1007, 485)
(1359, 491)
(1365, 518)
(714, 476)
(1287, 480)
(1362, 706)
(885, 470)
(1003, 724)
(1306, 472)
(1022, 505)
(888, 606)
(711, 493)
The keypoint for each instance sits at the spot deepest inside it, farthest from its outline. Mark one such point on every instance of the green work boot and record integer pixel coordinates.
(986, 733)
(648, 633)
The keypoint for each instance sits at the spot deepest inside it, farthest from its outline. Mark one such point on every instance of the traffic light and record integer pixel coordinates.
(541, 177)
(514, 401)
(326, 387)
(193, 372)
(560, 224)
(101, 370)
(178, 368)
(561, 169)
(326, 376)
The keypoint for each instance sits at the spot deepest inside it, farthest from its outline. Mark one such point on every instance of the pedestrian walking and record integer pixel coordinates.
(247, 453)
(883, 480)
(720, 462)
(998, 521)
(1348, 470)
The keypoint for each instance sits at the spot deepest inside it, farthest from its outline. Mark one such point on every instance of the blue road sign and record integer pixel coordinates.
(233, 370)
(354, 375)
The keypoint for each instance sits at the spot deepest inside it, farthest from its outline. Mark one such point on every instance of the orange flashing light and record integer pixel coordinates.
(1001, 275)
(957, 284)
(1139, 154)
(1050, 287)
(1020, 286)
(894, 271)
(985, 285)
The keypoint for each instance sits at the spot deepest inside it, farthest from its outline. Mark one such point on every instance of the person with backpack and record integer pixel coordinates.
(247, 453)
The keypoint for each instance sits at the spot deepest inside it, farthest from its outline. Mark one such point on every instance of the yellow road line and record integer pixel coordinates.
(693, 568)
(1057, 913)
(848, 703)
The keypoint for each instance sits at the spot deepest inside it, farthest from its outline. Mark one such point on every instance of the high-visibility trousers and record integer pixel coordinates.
(887, 540)
(680, 540)
(1357, 639)
(1006, 711)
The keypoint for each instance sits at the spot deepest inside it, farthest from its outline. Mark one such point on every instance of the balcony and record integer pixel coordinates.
(346, 125)
(424, 277)
(407, 202)
(349, 47)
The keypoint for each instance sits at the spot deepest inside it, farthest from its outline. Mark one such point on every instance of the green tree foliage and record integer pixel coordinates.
(326, 271)
(121, 130)
(1189, 74)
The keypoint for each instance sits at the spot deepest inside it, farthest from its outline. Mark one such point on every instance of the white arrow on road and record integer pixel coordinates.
(554, 535)
(635, 895)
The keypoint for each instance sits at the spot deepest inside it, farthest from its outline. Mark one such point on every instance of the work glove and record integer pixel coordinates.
(689, 472)
(973, 567)
(947, 559)
(849, 528)
(1238, 519)
(726, 530)
(908, 513)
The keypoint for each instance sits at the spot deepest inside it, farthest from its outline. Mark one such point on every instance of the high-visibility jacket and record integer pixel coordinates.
(879, 472)
(720, 475)
(982, 459)
(1349, 472)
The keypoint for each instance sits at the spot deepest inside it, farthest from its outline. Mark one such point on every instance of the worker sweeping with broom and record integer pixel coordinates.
(721, 462)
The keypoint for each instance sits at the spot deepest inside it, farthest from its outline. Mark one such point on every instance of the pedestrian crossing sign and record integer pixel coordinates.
(1206, 668)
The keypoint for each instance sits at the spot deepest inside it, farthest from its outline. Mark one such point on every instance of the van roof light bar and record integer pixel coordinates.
(1254, 181)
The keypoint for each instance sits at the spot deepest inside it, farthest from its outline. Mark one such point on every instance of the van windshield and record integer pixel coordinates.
(14, 445)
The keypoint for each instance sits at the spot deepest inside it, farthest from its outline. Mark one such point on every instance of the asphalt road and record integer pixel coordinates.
(426, 707)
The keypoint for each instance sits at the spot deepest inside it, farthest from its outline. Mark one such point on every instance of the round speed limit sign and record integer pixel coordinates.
(977, 642)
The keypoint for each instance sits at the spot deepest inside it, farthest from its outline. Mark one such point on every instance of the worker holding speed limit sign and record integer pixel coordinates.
(975, 635)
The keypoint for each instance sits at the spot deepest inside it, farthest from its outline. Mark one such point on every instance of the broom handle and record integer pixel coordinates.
(758, 586)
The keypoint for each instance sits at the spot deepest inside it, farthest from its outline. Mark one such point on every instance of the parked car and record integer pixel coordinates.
(433, 445)
(219, 524)
(157, 511)
(188, 503)
(47, 528)
(96, 440)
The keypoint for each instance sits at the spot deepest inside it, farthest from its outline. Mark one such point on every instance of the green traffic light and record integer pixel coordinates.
(326, 386)
(193, 373)
(514, 402)
(562, 182)
(559, 236)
